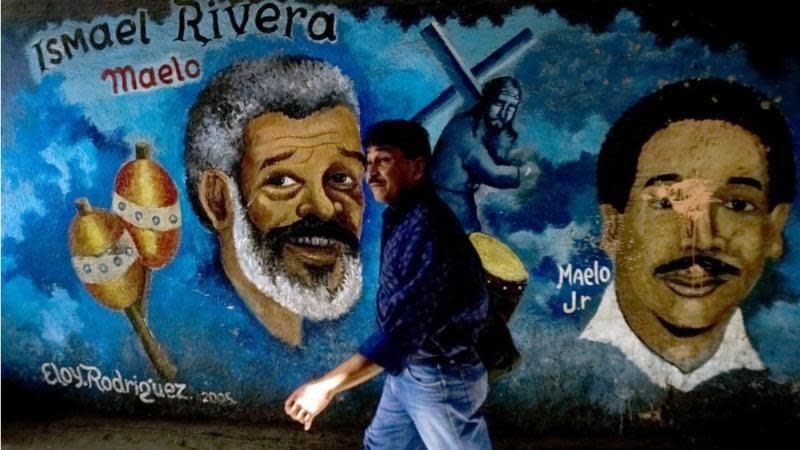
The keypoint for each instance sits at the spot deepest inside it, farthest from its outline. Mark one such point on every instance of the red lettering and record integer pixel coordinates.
(177, 68)
(165, 74)
(119, 73)
(197, 68)
(151, 79)
(127, 78)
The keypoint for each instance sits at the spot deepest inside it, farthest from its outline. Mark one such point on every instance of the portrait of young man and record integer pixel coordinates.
(431, 304)
(695, 183)
(274, 171)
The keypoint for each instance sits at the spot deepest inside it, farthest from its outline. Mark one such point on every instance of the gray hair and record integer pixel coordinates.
(296, 86)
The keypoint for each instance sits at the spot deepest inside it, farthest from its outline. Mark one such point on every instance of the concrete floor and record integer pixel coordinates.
(97, 432)
(45, 420)
(100, 433)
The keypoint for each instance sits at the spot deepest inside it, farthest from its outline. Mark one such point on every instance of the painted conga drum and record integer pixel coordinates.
(506, 277)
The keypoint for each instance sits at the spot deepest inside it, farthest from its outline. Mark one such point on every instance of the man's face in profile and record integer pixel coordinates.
(301, 183)
(500, 111)
(390, 174)
(697, 228)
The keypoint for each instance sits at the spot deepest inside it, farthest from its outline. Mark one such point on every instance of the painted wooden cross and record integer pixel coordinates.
(465, 81)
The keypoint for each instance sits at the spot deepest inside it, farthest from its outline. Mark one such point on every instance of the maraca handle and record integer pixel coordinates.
(158, 357)
(141, 303)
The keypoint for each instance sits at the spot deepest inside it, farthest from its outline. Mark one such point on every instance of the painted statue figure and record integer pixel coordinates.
(475, 148)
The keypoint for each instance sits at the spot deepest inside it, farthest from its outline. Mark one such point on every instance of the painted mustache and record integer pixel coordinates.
(713, 266)
(311, 227)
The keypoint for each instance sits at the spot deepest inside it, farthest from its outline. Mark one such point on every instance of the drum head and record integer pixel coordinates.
(497, 259)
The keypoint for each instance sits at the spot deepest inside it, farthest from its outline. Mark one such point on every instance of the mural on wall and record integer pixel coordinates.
(695, 182)
(630, 200)
(113, 252)
(475, 149)
(274, 166)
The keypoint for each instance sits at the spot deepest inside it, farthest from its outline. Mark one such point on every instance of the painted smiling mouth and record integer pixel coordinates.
(315, 250)
(695, 276)
(313, 241)
(692, 282)
(693, 288)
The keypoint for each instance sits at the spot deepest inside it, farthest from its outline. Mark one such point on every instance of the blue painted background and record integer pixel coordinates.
(65, 136)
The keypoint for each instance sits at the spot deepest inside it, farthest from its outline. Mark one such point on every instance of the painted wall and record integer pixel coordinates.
(70, 129)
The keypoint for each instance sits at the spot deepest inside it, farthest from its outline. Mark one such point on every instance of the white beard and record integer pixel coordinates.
(271, 278)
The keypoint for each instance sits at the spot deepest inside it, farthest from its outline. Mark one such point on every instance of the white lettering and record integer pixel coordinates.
(565, 272)
(588, 276)
(47, 373)
(148, 391)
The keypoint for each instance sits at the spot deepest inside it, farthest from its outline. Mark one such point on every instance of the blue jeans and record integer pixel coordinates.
(433, 405)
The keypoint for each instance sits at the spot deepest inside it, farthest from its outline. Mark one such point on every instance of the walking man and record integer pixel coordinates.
(431, 303)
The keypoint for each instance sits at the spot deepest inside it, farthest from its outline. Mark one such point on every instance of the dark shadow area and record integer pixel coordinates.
(763, 29)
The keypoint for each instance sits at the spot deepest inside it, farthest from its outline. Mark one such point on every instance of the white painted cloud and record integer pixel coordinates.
(59, 156)
(557, 243)
(60, 318)
(774, 330)
(19, 199)
(561, 145)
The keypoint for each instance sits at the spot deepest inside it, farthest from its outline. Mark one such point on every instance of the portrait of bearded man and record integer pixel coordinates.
(274, 168)
(477, 147)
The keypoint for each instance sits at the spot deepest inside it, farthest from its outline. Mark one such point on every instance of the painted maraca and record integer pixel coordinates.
(107, 262)
(146, 199)
(105, 257)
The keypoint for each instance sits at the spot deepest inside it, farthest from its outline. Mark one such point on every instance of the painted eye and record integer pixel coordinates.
(342, 179)
(281, 181)
(739, 205)
(661, 203)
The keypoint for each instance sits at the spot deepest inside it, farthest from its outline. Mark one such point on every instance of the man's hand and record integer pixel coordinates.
(307, 401)
(310, 399)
